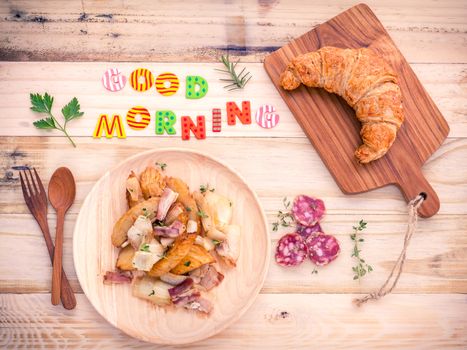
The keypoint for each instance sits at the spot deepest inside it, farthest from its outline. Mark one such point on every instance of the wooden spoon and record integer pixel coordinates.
(62, 191)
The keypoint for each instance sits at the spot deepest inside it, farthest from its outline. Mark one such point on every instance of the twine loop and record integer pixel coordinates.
(396, 272)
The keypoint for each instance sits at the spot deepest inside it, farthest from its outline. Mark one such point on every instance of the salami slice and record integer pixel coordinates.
(308, 210)
(322, 248)
(291, 250)
(306, 231)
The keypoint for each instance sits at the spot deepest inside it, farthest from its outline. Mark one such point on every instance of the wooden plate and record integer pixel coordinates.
(94, 254)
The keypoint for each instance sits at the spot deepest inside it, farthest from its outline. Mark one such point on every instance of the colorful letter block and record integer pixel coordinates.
(161, 84)
(233, 112)
(199, 130)
(141, 74)
(164, 122)
(143, 122)
(109, 130)
(196, 87)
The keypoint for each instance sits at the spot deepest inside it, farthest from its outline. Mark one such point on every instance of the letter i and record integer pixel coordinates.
(216, 120)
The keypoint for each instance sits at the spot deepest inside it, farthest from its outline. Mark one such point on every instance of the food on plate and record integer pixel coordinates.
(134, 195)
(147, 208)
(365, 81)
(308, 210)
(152, 182)
(197, 256)
(186, 199)
(174, 255)
(229, 249)
(322, 248)
(172, 242)
(308, 239)
(125, 258)
(291, 250)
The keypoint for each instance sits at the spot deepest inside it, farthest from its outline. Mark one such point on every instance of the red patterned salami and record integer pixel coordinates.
(291, 250)
(322, 248)
(306, 231)
(308, 210)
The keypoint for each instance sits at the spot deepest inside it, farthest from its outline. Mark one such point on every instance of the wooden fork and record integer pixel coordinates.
(36, 200)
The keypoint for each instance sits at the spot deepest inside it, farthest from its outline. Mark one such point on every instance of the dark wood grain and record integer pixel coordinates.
(330, 123)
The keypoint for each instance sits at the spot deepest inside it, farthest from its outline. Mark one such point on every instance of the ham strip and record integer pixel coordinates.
(117, 277)
(172, 231)
(207, 277)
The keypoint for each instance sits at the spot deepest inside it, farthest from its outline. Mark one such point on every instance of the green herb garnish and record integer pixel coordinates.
(43, 104)
(205, 188)
(284, 218)
(161, 165)
(144, 248)
(362, 268)
(188, 209)
(236, 80)
(215, 242)
(202, 214)
(187, 263)
(158, 223)
(153, 292)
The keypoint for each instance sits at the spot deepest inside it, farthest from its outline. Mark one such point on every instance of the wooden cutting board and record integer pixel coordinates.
(332, 127)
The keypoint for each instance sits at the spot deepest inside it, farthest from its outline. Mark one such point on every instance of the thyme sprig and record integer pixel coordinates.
(205, 188)
(284, 218)
(361, 268)
(161, 165)
(236, 80)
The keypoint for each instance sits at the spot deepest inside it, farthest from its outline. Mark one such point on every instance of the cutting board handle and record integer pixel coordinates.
(411, 181)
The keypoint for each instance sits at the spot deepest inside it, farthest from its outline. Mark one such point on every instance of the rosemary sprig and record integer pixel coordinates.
(236, 80)
(362, 268)
(284, 218)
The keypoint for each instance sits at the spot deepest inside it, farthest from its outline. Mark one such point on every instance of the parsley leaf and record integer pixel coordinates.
(144, 248)
(41, 104)
(187, 263)
(46, 123)
(71, 110)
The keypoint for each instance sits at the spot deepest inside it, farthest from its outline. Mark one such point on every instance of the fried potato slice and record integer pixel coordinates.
(134, 195)
(196, 257)
(125, 258)
(175, 254)
(152, 182)
(152, 289)
(184, 197)
(121, 227)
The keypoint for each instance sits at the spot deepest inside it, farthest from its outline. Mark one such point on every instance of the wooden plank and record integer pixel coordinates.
(445, 83)
(274, 322)
(295, 164)
(436, 263)
(117, 32)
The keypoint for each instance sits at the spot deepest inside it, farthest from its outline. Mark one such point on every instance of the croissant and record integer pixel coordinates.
(365, 81)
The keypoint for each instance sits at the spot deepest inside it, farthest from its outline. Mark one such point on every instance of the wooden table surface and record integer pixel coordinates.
(63, 47)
